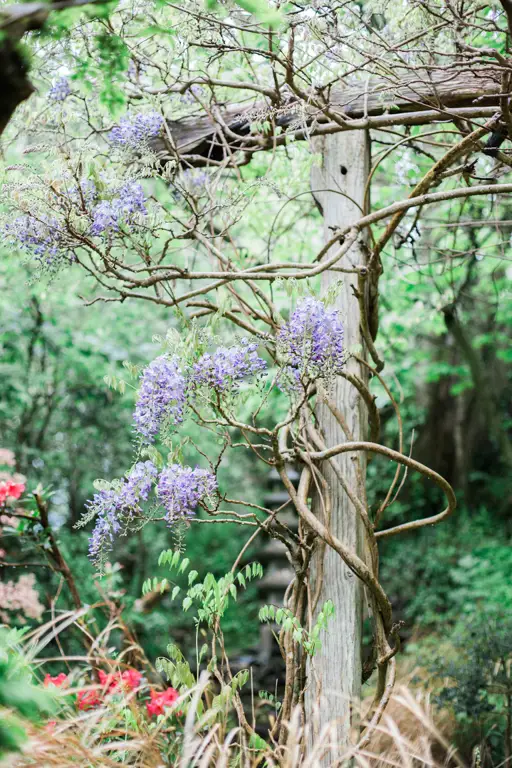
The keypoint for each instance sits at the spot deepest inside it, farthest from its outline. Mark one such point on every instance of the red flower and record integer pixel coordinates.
(110, 681)
(60, 681)
(131, 679)
(128, 680)
(14, 490)
(10, 489)
(87, 699)
(160, 700)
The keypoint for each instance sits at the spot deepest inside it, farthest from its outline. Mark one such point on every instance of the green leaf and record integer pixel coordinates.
(187, 602)
(192, 576)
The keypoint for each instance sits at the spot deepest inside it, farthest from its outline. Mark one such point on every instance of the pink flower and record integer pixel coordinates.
(14, 490)
(160, 700)
(128, 680)
(131, 679)
(10, 489)
(21, 596)
(7, 457)
(60, 681)
(109, 681)
(87, 699)
(50, 726)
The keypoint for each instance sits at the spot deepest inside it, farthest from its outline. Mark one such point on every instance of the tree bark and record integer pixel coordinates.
(334, 674)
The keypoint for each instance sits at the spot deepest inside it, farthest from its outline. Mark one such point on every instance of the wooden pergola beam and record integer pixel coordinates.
(415, 99)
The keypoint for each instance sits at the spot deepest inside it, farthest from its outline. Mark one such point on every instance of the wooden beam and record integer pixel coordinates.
(414, 99)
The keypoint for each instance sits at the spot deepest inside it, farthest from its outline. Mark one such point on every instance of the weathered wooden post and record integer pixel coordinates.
(334, 674)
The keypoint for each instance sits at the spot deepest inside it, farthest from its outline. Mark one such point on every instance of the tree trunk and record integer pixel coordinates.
(334, 674)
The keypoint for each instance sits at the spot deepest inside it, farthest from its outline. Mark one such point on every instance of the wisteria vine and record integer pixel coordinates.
(171, 386)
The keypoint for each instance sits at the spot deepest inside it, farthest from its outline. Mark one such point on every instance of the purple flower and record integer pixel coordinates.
(227, 367)
(162, 397)
(135, 130)
(138, 484)
(311, 343)
(108, 215)
(131, 199)
(105, 506)
(41, 237)
(60, 90)
(180, 489)
(116, 507)
(105, 218)
(195, 180)
(188, 96)
(87, 192)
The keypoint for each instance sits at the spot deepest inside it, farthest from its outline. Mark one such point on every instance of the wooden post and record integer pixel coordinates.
(334, 673)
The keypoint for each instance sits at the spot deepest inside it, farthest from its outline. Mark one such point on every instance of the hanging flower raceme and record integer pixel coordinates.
(180, 489)
(109, 215)
(167, 388)
(135, 130)
(162, 397)
(167, 385)
(42, 237)
(116, 507)
(227, 367)
(311, 343)
(60, 90)
(83, 194)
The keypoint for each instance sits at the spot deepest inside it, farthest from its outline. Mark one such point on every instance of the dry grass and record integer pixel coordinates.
(406, 738)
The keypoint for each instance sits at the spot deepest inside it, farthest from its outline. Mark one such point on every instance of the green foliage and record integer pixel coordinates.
(261, 9)
(285, 618)
(108, 65)
(474, 671)
(210, 597)
(176, 669)
(19, 699)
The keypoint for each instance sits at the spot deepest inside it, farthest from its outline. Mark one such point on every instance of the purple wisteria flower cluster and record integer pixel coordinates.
(108, 215)
(84, 193)
(195, 180)
(46, 237)
(180, 489)
(118, 509)
(114, 508)
(188, 96)
(162, 397)
(225, 370)
(42, 237)
(135, 130)
(168, 385)
(311, 343)
(60, 90)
